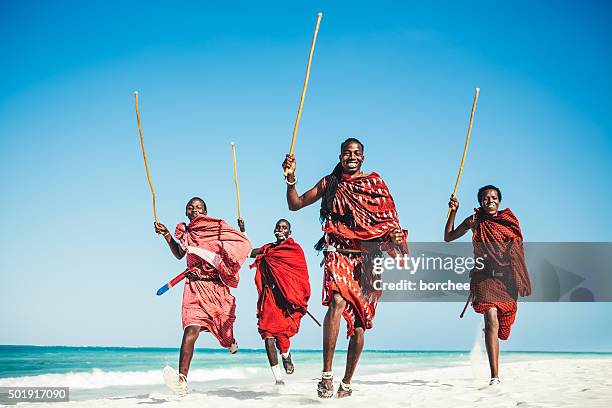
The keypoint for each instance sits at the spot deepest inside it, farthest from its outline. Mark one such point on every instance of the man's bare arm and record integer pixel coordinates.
(450, 232)
(175, 248)
(294, 200)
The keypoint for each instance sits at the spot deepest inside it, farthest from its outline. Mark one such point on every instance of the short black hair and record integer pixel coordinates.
(284, 220)
(350, 140)
(198, 199)
(482, 190)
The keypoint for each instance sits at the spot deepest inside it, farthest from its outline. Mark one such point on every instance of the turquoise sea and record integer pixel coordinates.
(98, 372)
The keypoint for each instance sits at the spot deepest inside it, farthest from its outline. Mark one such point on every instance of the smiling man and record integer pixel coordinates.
(494, 288)
(356, 207)
(215, 252)
(284, 289)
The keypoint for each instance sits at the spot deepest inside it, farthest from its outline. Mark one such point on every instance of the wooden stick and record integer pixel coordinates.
(467, 303)
(299, 114)
(236, 179)
(313, 318)
(144, 156)
(467, 142)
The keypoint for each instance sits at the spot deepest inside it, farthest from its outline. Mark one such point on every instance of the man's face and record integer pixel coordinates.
(351, 158)
(282, 231)
(194, 208)
(490, 202)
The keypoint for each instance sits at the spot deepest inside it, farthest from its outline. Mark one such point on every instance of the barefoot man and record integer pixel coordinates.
(355, 207)
(497, 239)
(284, 289)
(215, 252)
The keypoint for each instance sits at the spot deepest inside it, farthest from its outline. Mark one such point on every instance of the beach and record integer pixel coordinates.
(387, 378)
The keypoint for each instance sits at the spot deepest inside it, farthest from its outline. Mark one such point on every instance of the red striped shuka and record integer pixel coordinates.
(499, 241)
(215, 252)
(363, 214)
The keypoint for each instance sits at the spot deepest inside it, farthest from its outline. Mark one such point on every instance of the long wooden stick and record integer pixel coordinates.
(299, 113)
(236, 180)
(144, 156)
(313, 318)
(467, 143)
(467, 303)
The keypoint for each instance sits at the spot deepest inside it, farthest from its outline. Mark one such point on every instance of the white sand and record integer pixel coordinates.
(571, 382)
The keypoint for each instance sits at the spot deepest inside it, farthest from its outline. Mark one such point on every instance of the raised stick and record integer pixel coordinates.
(299, 114)
(467, 142)
(144, 156)
(236, 179)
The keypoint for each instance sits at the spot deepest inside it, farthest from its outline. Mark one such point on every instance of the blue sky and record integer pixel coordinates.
(80, 263)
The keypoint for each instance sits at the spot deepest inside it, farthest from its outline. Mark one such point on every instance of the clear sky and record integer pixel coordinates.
(80, 262)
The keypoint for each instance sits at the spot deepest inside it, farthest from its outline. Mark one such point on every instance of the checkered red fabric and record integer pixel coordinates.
(499, 240)
(506, 313)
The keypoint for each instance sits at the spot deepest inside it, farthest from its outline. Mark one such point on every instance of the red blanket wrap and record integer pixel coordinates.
(216, 251)
(366, 198)
(282, 283)
(499, 240)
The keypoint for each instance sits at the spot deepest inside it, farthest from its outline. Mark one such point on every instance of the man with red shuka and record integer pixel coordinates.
(284, 289)
(215, 252)
(497, 239)
(356, 208)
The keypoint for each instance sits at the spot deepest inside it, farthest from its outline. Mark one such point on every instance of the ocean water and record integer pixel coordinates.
(103, 372)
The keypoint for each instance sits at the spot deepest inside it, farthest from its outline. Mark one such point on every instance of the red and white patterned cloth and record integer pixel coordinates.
(365, 200)
(215, 251)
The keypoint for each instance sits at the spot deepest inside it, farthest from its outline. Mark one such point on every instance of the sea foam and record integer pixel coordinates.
(98, 378)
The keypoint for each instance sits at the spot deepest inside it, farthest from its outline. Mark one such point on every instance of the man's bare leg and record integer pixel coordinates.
(189, 338)
(492, 341)
(331, 326)
(273, 359)
(352, 358)
(354, 352)
(271, 351)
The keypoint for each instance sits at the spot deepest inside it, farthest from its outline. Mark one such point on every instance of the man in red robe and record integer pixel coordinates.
(284, 289)
(497, 238)
(215, 252)
(356, 208)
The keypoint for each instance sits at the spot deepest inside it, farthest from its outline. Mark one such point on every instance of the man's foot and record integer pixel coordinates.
(344, 390)
(494, 381)
(175, 381)
(280, 382)
(325, 388)
(233, 349)
(288, 364)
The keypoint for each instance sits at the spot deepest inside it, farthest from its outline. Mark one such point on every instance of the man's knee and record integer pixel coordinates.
(337, 303)
(191, 333)
(359, 332)
(491, 321)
